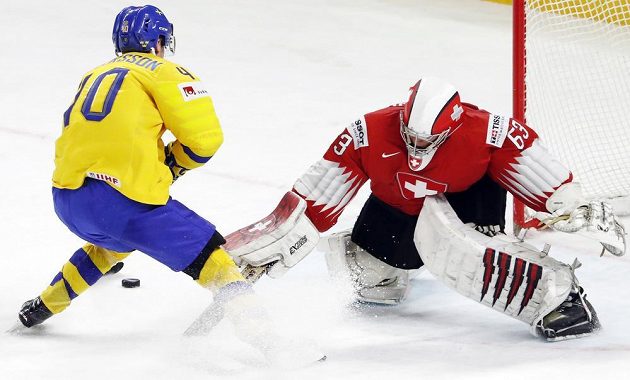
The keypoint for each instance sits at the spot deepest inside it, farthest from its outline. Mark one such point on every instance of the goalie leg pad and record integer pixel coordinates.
(504, 274)
(374, 281)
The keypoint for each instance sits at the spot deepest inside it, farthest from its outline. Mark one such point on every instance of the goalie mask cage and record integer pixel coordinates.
(572, 85)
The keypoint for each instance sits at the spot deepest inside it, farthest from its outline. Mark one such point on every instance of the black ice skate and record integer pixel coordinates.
(116, 268)
(574, 318)
(34, 312)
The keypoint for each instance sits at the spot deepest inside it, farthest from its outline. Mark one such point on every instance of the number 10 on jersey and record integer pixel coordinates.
(110, 88)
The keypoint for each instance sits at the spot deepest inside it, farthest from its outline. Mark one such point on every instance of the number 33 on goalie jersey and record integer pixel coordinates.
(112, 131)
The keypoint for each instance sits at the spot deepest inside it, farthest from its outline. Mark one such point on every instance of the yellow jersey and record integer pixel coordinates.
(113, 130)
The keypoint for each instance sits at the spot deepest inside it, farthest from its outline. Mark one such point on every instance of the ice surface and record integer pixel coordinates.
(286, 77)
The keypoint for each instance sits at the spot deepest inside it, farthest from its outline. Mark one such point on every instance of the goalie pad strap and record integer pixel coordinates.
(506, 275)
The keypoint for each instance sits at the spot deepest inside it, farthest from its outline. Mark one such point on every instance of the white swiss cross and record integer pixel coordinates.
(413, 186)
(419, 189)
(457, 112)
(260, 226)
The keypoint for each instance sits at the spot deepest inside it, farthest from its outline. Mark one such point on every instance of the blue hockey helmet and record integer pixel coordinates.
(139, 28)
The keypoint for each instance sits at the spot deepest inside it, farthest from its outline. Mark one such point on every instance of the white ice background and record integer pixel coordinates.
(286, 77)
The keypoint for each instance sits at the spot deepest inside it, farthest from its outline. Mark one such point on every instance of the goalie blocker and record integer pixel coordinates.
(278, 241)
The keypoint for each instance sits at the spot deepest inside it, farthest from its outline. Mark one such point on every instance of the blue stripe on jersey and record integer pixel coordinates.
(57, 278)
(71, 292)
(88, 271)
(194, 157)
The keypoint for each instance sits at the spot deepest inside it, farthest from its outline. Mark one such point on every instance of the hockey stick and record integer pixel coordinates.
(213, 314)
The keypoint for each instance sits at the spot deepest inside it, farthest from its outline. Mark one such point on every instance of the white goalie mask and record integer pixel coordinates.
(433, 113)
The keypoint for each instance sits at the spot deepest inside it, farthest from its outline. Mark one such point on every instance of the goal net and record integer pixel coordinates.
(572, 85)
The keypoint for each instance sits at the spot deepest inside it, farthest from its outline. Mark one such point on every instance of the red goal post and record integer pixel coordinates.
(571, 82)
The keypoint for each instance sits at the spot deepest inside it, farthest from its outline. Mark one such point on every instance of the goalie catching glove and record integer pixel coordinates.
(569, 213)
(278, 241)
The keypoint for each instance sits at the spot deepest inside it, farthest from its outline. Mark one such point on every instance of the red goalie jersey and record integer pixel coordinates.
(371, 148)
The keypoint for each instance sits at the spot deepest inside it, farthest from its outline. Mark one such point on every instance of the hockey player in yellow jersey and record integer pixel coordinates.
(113, 172)
(121, 110)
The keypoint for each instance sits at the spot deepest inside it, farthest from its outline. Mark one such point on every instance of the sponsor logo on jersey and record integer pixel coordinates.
(104, 177)
(298, 245)
(358, 131)
(387, 155)
(521, 272)
(192, 90)
(497, 130)
(414, 186)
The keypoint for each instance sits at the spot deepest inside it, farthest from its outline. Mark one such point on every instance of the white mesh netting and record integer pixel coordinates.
(578, 89)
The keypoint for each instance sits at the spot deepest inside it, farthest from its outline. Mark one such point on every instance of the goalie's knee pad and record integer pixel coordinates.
(374, 281)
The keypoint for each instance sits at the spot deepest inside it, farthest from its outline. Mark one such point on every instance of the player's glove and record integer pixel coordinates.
(594, 220)
(170, 161)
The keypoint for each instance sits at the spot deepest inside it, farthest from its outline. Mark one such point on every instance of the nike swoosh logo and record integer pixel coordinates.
(385, 155)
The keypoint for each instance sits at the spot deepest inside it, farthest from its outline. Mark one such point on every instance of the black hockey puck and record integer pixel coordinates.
(130, 283)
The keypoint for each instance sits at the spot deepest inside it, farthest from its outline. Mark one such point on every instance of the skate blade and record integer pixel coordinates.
(573, 336)
(569, 337)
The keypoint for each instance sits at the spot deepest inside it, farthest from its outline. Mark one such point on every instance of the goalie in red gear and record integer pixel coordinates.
(435, 144)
